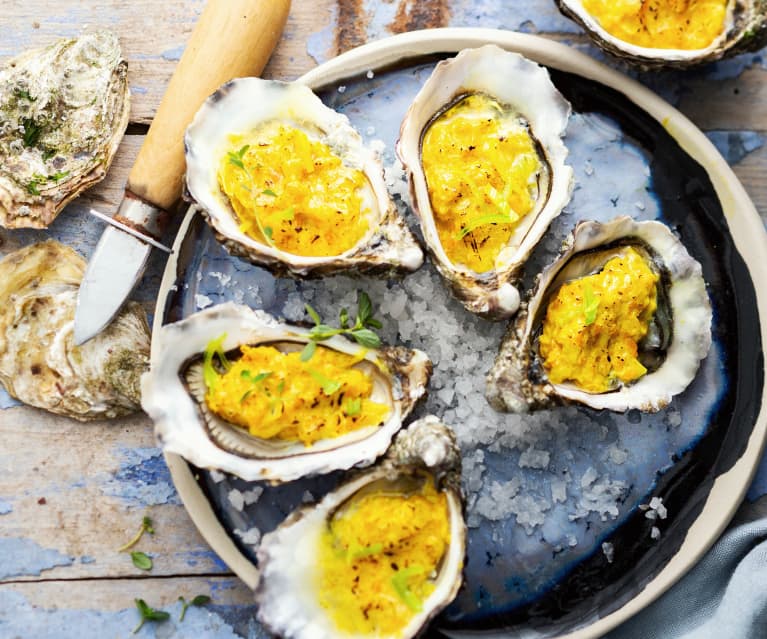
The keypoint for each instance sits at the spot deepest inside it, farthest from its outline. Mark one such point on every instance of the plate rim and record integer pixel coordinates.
(748, 233)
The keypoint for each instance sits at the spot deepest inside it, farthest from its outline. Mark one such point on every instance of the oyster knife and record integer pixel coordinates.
(232, 38)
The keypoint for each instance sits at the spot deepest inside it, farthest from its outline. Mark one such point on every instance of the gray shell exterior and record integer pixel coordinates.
(39, 362)
(63, 112)
(287, 602)
(747, 31)
(517, 381)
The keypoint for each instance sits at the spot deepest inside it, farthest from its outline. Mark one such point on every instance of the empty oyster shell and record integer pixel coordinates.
(677, 332)
(39, 362)
(63, 112)
(501, 186)
(659, 33)
(310, 199)
(174, 395)
(303, 593)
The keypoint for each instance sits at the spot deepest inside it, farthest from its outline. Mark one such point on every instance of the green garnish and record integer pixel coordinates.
(32, 188)
(493, 218)
(360, 552)
(58, 176)
(288, 214)
(215, 347)
(146, 526)
(24, 95)
(329, 386)
(141, 560)
(236, 157)
(590, 305)
(148, 614)
(353, 407)
(32, 132)
(198, 601)
(359, 332)
(253, 379)
(267, 230)
(269, 192)
(399, 582)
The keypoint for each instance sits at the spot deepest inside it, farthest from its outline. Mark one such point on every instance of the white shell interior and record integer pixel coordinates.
(239, 107)
(592, 24)
(690, 307)
(525, 86)
(288, 559)
(178, 423)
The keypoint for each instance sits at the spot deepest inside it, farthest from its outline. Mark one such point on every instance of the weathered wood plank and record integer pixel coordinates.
(99, 609)
(73, 493)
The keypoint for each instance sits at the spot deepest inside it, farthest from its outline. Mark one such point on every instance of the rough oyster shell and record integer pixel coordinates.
(173, 396)
(39, 362)
(745, 30)
(524, 85)
(517, 380)
(285, 594)
(239, 106)
(63, 112)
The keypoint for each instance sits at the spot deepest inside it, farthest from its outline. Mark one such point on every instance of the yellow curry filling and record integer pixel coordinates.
(277, 395)
(661, 24)
(594, 324)
(293, 193)
(482, 171)
(378, 557)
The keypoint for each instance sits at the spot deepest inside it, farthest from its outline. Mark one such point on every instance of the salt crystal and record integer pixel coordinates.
(609, 551)
(655, 533)
(370, 75)
(588, 168)
(217, 476)
(558, 490)
(617, 455)
(252, 496)
(589, 477)
(251, 536)
(640, 205)
(342, 88)
(237, 499)
(202, 301)
(307, 497)
(532, 458)
(370, 130)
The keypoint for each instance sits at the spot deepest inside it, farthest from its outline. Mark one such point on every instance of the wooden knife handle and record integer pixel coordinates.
(233, 38)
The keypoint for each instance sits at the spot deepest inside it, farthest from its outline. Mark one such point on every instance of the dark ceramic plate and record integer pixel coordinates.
(560, 543)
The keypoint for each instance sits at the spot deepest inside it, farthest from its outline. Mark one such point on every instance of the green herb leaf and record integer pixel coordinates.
(146, 526)
(344, 318)
(364, 308)
(374, 323)
(32, 188)
(32, 132)
(215, 347)
(494, 218)
(399, 582)
(58, 176)
(280, 388)
(313, 314)
(321, 332)
(148, 614)
(235, 160)
(268, 233)
(254, 379)
(329, 386)
(367, 338)
(590, 305)
(308, 351)
(141, 560)
(269, 192)
(353, 407)
(24, 95)
(364, 551)
(198, 601)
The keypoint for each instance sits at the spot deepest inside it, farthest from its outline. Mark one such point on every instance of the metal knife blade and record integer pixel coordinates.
(232, 38)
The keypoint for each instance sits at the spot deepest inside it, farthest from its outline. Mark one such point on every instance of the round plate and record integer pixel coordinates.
(561, 542)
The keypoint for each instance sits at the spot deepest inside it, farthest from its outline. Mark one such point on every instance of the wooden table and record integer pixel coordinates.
(71, 493)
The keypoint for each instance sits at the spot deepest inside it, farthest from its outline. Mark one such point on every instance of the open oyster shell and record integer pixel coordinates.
(240, 106)
(39, 362)
(63, 112)
(678, 341)
(525, 88)
(173, 395)
(745, 29)
(287, 593)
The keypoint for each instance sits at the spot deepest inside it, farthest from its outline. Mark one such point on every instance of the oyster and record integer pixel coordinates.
(285, 182)
(210, 426)
(482, 147)
(665, 33)
(379, 556)
(620, 320)
(39, 362)
(63, 112)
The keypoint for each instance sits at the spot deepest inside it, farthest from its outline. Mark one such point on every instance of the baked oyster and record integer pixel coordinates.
(234, 389)
(379, 556)
(668, 33)
(285, 182)
(482, 145)
(39, 362)
(620, 320)
(63, 112)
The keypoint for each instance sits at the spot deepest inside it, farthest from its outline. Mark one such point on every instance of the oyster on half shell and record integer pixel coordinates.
(482, 145)
(620, 320)
(286, 182)
(63, 112)
(177, 394)
(39, 361)
(379, 556)
(662, 33)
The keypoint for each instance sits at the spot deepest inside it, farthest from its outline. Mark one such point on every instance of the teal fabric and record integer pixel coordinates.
(723, 597)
